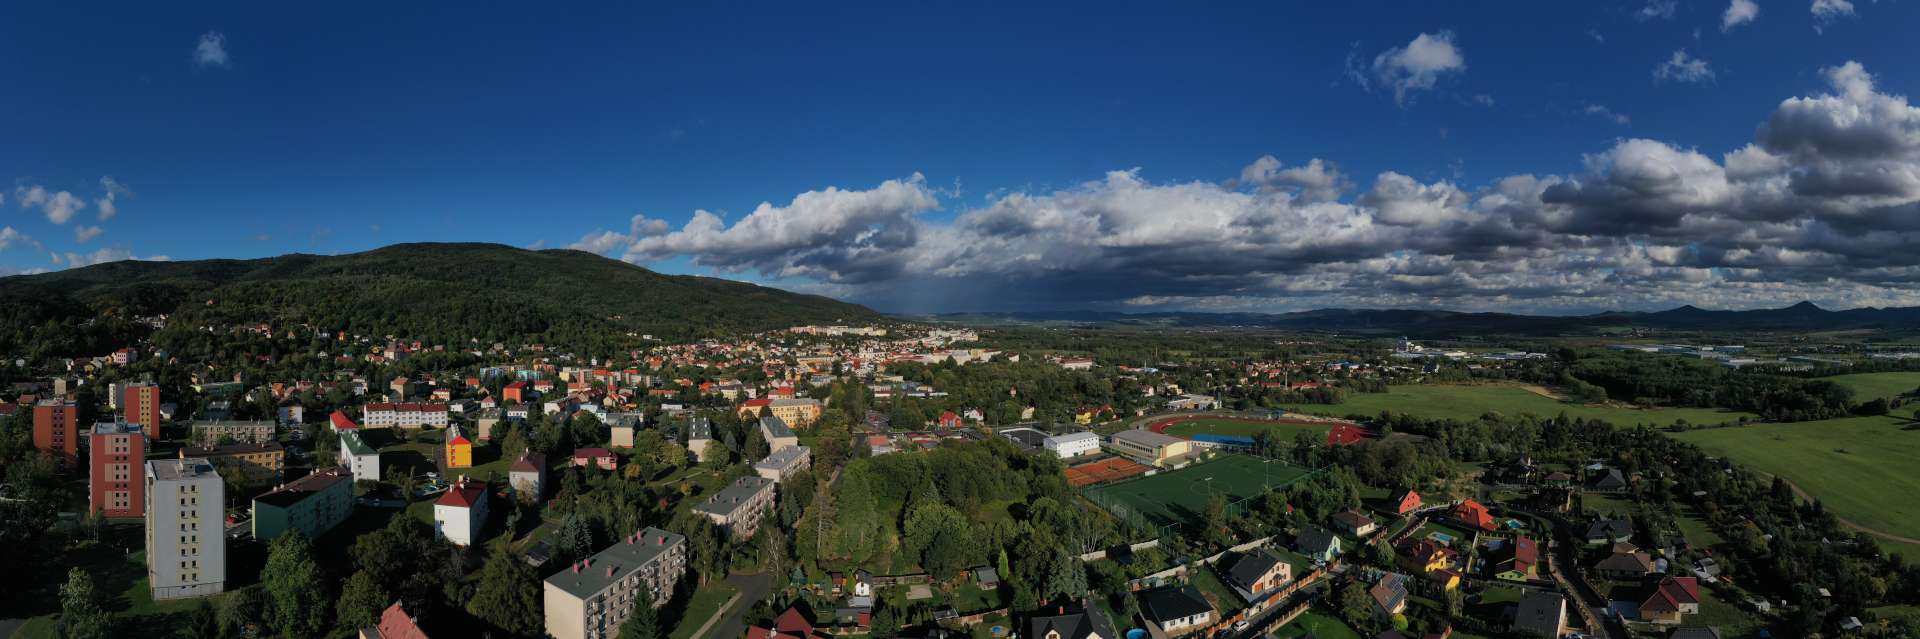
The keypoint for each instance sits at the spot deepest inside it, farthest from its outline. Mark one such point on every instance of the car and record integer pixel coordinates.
(1241, 624)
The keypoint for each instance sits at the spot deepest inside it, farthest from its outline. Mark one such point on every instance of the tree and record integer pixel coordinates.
(942, 538)
(361, 600)
(293, 585)
(81, 614)
(1214, 517)
(644, 623)
(204, 623)
(514, 443)
(508, 596)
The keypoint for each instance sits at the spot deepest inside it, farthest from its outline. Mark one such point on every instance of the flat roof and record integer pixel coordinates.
(175, 469)
(1147, 438)
(734, 495)
(300, 489)
(1072, 437)
(115, 428)
(623, 557)
(781, 458)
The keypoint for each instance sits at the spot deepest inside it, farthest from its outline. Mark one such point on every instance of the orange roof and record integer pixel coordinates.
(396, 624)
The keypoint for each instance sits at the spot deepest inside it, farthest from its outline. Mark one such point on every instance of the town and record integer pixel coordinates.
(891, 480)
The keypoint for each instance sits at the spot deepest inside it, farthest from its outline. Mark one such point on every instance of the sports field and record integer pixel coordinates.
(1179, 496)
(1860, 467)
(1235, 427)
(1470, 401)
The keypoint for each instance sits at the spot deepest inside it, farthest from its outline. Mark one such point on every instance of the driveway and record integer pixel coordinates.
(753, 590)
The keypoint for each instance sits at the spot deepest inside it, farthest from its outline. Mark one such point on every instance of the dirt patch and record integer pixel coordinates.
(1544, 392)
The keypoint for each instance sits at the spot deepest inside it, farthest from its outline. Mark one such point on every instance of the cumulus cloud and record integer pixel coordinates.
(1826, 11)
(1824, 204)
(1601, 111)
(211, 51)
(105, 204)
(82, 233)
(1738, 12)
(59, 206)
(102, 256)
(1681, 67)
(1413, 68)
(9, 238)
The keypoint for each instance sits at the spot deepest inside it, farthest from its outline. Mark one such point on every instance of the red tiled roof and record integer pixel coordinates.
(341, 421)
(591, 453)
(408, 408)
(396, 624)
(463, 495)
(792, 621)
(1671, 593)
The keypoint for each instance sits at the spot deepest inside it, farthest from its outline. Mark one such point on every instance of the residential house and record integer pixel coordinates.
(394, 623)
(1608, 531)
(1473, 515)
(1388, 595)
(1541, 613)
(528, 476)
(458, 451)
(1521, 561)
(1404, 502)
(1353, 523)
(1176, 610)
(1060, 623)
(1669, 599)
(1318, 544)
(624, 427)
(1626, 562)
(460, 513)
(1429, 558)
(1609, 481)
(1254, 573)
(601, 457)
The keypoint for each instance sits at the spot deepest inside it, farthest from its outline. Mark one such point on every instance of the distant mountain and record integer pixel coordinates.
(446, 292)
(1441, 323)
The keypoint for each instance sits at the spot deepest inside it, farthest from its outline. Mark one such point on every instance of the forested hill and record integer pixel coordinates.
(447, 293)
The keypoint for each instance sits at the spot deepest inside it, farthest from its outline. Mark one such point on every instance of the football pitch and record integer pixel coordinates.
(1179, 496)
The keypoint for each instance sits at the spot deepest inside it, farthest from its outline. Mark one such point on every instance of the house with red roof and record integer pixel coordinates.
(1404, 502)
(1670, 598)
(949, 420)
(753, 407)
(1522, 562)
(515, 392)
(341, 423)
(601, 457)
(460, 513)
(394, 623)
(1474, 515)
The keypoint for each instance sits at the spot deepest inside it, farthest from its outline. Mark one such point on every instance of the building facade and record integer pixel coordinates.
(459, 449)
(116, 460)
(460, 513)
(590, 599)
(186, 538)
(699, 434)
(390, 415)
(798, 413)
(313, 505)
(1073, 445)
(140, 405)
(215, 433)
(362, 460)
(784, 463)
(256, 462)
(56, 428)
(739, 507)
(775, 431)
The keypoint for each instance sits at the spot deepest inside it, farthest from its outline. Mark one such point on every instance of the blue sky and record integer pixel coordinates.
(255, 130)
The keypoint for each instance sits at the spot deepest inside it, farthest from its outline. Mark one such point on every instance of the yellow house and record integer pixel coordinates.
(459, 453)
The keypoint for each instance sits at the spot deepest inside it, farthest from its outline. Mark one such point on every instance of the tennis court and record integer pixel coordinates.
(1179, 496)
(1103, 471)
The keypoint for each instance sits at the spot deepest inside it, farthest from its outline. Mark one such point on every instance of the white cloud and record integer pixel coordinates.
(1681, 67)
(1413, 68)
(59, 206)
(104, 255)
(1739, 12)
(1829, 10)
(82, 233)
(10, 237)
(106, 203)
(211, 51)
(1597, 37)
(1601, 110)
(1660, 9)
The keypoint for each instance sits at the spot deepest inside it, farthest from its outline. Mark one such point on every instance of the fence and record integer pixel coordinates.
(1102, 554)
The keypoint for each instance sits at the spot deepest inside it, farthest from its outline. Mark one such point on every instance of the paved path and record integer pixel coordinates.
(753, 590)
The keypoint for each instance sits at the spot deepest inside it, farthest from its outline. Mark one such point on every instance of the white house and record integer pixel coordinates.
(461, 512)
(1073, 445)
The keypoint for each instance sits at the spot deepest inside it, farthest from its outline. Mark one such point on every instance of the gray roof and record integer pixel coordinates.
(775, 426)
(171, 469)
(351, 441)
(1249, 567)
(1610, 529)
(734, 495)
(624, 557)
(1165, 604)
(780, 458)
(1540, 610)
(628, 420)
(699, 428)
(1316, 540)
(1146, 438)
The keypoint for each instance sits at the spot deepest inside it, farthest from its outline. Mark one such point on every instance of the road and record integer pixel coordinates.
(753, 590)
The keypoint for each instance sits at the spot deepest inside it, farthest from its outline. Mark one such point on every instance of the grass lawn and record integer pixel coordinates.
(1470, 401)
(1179, 496)
(1873, 385)
(1732, 620)
(702, 605)
(1694, 525)
(1223, 596)
(1860, 467)
(1607, 504)
(1245, 428)
(1317, 624)
(1460, 537)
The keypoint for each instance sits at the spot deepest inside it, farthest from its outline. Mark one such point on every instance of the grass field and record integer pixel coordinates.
(1316, 624)
(1470, 401)
(1179, 496)
(1871, 385)
(1244, 428)
(1858, 466)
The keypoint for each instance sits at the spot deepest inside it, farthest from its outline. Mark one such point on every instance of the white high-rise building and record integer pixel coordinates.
(186, 529)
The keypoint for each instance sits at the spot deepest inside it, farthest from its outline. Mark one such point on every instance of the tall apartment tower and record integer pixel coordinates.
(56, 428)
(141, 405)
(116, 456)
(186, 532)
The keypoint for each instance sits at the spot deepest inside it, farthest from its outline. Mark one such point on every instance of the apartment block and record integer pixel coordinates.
(784, 463)
(313, 505)
(56, 428)
(699, 434)
(591, 598)
(256, 462)
(739, 507)
(186, 529)
(215, 433)
(404, 416)
(774, 429)
(114, 451)
(140, 404)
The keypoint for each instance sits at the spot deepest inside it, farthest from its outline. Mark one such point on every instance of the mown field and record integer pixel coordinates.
(1179, 496)
(1859, 467)
(1244, 428)
(1469, 401)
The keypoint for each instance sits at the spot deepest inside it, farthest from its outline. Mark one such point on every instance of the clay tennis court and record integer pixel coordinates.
(1103, 471)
